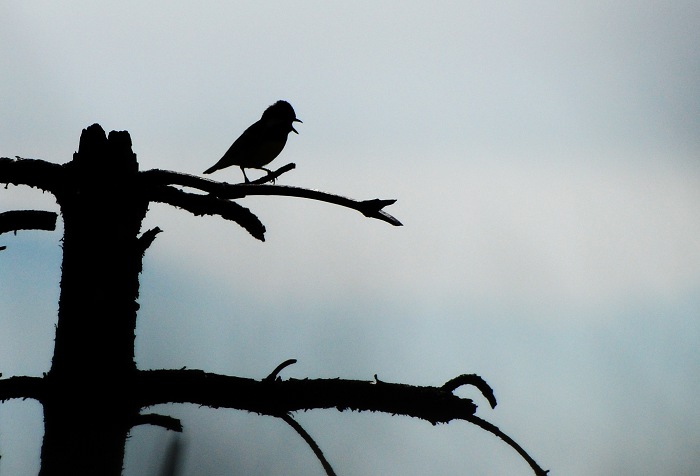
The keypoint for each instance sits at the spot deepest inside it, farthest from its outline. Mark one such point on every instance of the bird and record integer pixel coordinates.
(261, 142)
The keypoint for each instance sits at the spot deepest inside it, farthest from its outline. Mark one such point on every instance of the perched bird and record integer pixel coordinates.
(261, 142)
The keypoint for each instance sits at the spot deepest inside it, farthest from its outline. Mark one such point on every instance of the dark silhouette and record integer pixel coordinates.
(261, 142)
(93, 393)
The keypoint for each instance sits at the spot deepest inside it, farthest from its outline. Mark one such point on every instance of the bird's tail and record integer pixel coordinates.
(211, 169)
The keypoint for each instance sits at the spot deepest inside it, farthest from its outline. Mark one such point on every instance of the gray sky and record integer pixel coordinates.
(546, 161)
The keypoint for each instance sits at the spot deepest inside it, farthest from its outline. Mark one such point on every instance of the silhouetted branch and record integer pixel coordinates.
(278, 397)
(21, 387)
(273, 376)
(27, 220)
(272, 176)
(491, 428)
(369, 208)
(474, 380)
(147, 238)
(209, 205)
(165, 421)
(32, 172)
(309, 441)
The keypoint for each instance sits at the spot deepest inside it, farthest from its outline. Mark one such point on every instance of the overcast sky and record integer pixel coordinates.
(546, 160)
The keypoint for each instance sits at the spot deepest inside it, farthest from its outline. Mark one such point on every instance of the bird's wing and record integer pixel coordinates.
(240, 148)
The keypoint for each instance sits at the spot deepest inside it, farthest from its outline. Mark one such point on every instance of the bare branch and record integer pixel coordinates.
(275, 398)
(273, 376)
(309, 441)
(32, 172)
(165, 421)
(147, 238)
(432, 404)
(272, 176)
(21, 387)
(27, 220)
(491, 428)
(475, 380)
(209, 205)
(369, 208)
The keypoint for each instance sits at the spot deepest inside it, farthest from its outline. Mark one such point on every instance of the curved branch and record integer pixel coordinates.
(273, 375)
(475, 380)
(209, 205)
(27, 220)
(32, 172)
(164, 421)
(309, 441)
(369, 208)
(491, 428)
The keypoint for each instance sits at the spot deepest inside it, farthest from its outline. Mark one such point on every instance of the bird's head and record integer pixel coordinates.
(281, 112)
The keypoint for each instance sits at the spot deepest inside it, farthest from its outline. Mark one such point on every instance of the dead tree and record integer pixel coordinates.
(93, 393)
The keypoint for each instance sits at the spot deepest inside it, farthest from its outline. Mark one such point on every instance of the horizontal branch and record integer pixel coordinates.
(278, 397)
(21, 387)
(369, 208)
(32, 172)
(209, 205)
(27, 220)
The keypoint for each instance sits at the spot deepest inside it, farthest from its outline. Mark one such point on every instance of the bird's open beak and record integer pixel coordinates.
(295, 120)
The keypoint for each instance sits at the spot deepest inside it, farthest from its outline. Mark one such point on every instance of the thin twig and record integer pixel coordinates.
(491, 428)
(272, 176)
(278, 369)
(309, 441)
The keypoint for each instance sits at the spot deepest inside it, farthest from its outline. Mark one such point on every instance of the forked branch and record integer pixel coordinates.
(370, 208)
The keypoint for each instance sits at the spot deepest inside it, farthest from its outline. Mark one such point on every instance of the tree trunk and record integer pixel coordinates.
(88, 405)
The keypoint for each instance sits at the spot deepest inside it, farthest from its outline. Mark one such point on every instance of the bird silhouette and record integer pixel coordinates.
(261, 142)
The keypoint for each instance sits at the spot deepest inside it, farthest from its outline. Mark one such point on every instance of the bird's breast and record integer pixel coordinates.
(266, 151)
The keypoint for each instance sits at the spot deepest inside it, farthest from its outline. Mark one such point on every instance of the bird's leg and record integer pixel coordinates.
(244, 175)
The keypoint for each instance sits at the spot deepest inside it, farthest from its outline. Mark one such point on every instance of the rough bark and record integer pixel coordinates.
(87, 406)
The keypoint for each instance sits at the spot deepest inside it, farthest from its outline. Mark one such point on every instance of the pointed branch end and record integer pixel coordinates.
(374, 209)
